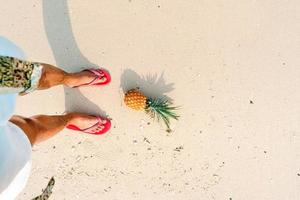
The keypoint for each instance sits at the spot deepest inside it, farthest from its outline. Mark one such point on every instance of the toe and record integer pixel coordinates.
(103, 79)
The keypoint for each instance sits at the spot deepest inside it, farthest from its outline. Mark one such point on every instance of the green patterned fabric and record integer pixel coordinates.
(47, 191)
(15, 73)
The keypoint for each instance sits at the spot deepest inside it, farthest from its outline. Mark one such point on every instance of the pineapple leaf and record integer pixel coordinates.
(161, 110)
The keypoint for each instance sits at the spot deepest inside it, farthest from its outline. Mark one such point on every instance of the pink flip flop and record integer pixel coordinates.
(89, 130)
(100, 73)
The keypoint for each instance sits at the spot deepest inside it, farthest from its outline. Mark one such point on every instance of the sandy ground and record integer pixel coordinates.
(233, 66)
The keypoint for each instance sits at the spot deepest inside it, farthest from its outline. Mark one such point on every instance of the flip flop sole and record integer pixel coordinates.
(106, 128)
(96, 72)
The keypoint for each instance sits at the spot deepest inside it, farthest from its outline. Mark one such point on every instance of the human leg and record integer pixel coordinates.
(53, 76)
(25, 76)
(42, 127)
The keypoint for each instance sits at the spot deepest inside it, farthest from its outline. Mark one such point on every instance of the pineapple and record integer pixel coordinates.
(155, 107)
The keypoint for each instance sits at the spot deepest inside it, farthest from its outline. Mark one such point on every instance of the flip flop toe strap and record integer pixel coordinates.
(95, 128)
(92, 129)
(99, 75)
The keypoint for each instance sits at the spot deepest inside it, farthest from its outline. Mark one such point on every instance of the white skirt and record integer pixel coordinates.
(15, 148)
(15, 161)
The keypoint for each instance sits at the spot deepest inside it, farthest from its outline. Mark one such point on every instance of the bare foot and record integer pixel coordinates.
(83, 77)
(84, 121)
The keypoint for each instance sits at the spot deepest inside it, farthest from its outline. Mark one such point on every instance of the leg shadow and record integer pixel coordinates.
(152, 85)
(66, 53)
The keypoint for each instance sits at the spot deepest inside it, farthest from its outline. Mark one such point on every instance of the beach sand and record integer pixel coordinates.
(232, 66)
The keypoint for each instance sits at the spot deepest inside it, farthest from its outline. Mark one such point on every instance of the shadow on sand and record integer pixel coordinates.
(66, 53)
(152, 85)
(69, 57)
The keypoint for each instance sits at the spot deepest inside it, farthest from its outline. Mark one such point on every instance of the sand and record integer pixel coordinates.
(233, 66)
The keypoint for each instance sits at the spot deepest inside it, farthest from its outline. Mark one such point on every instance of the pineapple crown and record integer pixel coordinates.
(161, 110)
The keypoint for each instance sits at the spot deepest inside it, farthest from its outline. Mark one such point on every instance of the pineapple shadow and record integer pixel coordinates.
(152, 85)
(67, 53)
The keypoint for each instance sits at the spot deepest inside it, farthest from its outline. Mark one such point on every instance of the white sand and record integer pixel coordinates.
(219, 56)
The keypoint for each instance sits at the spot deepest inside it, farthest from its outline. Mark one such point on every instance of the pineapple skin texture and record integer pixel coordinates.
(136, 100)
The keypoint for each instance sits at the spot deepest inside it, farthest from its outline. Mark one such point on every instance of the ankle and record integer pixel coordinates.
(68, 118)
(68, 79)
